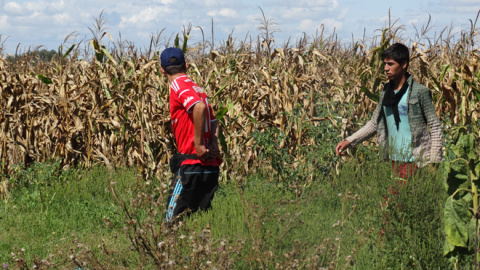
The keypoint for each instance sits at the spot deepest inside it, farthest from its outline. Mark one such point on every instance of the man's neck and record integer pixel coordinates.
(171, 78)
(398, 83)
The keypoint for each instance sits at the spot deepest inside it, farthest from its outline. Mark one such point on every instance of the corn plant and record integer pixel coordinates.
(105, 105)
(462, 175)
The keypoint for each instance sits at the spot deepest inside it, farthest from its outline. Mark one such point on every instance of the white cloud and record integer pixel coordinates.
(465, 9)
(332, 24)
(413, 21)
(34, 6)
(213, 3)
(224, 12)
(4, 25)
(47, 22)
(310, 26)
(164, 2)
(466, 2)
(334, 5)
(13, 8)
(312, 3)
(343, 13)
(62, 18)
(383, 19)
(453, 9)
(294, 13)
(150, 14)
(307, 24)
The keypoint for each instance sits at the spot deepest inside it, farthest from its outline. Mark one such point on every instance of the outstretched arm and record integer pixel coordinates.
(364, 133)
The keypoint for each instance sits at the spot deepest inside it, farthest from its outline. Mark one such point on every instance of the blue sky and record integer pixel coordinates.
(30, 23)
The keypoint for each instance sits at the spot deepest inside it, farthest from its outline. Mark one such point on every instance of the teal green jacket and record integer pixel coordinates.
(424, 125)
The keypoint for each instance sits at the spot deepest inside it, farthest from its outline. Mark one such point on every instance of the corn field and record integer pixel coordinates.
(110, 106)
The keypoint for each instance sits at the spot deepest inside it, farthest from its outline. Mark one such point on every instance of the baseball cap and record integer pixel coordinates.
(168, 54)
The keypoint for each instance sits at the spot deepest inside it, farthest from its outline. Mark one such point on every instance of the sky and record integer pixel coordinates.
(26, 24)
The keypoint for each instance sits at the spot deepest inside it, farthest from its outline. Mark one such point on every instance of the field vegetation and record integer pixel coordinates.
(85, 140)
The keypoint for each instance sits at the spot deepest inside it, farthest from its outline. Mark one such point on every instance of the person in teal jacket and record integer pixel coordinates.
(409, 131)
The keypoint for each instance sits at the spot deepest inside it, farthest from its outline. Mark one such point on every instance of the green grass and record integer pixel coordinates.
(337, 221)
(329, 222)
(74, 209)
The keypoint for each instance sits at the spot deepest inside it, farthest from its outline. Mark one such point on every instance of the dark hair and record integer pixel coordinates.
(171, 70)
(397, 52)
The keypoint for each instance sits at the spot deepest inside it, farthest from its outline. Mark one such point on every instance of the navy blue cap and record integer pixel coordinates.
(168, 54)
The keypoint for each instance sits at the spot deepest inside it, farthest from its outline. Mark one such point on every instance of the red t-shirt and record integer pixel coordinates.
(184, 94)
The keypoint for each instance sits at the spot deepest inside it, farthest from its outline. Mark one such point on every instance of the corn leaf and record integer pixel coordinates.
(44, 79)
(456, 216)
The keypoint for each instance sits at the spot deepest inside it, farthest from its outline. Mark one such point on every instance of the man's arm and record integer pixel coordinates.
(199, 116)
(364, 133)
(435, 155)
(213, 148)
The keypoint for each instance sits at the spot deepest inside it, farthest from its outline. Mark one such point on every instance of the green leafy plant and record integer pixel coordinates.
(462, 174)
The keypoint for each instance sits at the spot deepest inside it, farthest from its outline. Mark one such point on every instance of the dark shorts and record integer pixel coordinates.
(192, 189)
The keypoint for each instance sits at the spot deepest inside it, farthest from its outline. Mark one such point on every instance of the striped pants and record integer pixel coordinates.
(192, 189)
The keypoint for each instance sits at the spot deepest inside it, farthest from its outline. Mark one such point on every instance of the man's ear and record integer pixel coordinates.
(405, 65)
(163, 71)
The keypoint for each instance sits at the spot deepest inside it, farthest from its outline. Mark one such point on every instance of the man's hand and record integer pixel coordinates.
(214, 150)
(341, 147)
(209, 153)
(199, 117)
(202, 152)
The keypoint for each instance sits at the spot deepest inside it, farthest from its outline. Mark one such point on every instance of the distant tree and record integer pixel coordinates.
(45, 56)
(39, 55)
(10, 58)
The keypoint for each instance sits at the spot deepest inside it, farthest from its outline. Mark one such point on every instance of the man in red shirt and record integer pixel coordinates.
(196, 166)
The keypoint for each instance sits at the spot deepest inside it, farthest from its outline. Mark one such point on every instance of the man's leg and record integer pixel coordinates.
(193, 188)
(401, 172)
(208, 187)
(174, 193)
